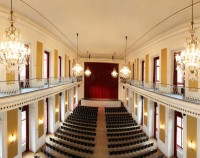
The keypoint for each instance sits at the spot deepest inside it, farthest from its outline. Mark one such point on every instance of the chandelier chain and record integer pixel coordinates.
(77, 47)
(125, 50)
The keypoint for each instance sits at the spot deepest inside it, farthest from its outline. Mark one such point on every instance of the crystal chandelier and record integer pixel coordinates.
(77, 69)
(188, 62)
(114, 73)
(87, 71)
(13, 53)
(125, 72)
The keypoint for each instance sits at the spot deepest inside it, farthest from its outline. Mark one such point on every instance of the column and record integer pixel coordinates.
(62, 102)
(36, 125)
(54, 115)
(166, 131)
(148, 117)
(71, 99)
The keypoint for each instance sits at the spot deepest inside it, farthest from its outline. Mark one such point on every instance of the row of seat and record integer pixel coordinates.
(121, 131)
(123, 134)
(61, 152)
(85, 138)
(128, 143)
(115, 109)
(134, 149)
(126, 138)
(70, 146)
(80, 124)
(121, 125)
(81, 120)
(74, 141)
(79, 127)
(78, 131)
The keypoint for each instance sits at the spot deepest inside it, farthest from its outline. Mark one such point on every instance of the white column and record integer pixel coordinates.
(35, 143)
(130, 101)
(33, 130)
(19, 135)
(149, 129)
(168, 147)
(62, 110)
(3, 135)
(53, 126)
(77, 94)
(139, 110)
(185, 136)
(71, 99)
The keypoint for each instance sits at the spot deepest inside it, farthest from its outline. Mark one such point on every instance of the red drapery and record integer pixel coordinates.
(100, 84)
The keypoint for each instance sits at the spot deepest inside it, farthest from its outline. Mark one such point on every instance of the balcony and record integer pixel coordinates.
(180, 98)
(15, 94)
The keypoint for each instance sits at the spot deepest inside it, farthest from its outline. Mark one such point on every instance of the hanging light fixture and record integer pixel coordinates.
(125, 72)
(114, 73)
(77, 69)
(188, 62)
(13, 53)
(87, 71)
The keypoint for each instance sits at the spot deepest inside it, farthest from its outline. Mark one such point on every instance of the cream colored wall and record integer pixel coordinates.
(31, 33)
(172, 40)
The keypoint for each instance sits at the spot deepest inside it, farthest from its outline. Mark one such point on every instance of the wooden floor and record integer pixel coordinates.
(101, 141)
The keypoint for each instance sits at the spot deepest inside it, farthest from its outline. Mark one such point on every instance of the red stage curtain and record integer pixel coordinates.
(100, 84)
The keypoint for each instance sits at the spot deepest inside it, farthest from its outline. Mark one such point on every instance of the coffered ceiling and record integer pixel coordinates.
(103, 24)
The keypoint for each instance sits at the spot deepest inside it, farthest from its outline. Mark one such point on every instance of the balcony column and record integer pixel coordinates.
(53, 124)
(77, 95)
(166, 131)
(149, 128)
(139, 110)
(131, 101)
(62, 106)
(3, 134)
(71, 100)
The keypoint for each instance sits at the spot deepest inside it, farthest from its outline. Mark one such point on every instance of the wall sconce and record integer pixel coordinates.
(127, 98)
(135, 106)
(66, 102)
(41, 121)
(162, 126)
(74, 96)
(145, 114)
(57, 110)
(191, 145)
(12, 138)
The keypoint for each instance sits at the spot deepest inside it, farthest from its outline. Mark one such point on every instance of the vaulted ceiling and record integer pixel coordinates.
(103, 24)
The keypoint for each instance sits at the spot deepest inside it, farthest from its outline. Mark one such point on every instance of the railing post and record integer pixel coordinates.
(48, 82)
(19, 83)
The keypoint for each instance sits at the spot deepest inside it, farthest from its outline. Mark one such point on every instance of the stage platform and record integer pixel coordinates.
(100, 102)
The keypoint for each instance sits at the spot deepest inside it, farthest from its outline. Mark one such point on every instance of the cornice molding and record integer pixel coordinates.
(182, 106)
(13, 102)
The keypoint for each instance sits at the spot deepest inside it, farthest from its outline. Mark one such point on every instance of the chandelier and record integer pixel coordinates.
(13, 53)
(87, 71)
(188, 62)
(114, 73)
(77, 69)
(125, 72)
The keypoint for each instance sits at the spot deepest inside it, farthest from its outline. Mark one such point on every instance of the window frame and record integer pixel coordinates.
(155, 75)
